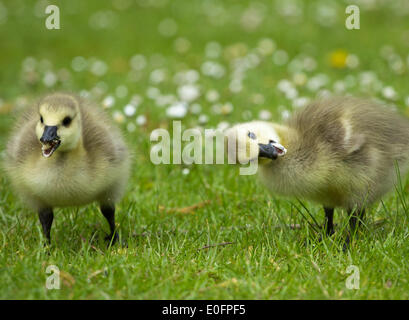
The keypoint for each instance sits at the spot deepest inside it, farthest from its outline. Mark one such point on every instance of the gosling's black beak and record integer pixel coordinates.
(267, 151)
(50, 134)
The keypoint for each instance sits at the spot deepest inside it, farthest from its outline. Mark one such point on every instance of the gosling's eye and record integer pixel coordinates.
(67, 121)
(41, 119)
(271, 141)
(252, 136)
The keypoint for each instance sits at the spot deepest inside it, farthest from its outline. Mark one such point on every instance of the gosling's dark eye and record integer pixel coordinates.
(41, 119)
(271, 141)
(67, 121)
(252, 136)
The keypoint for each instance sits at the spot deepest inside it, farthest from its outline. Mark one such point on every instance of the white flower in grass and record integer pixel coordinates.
(136, 100)
(212, 95)
(284, 85)
(166, 99)
(186, 77)
(257, 98)
(157, 76)
(264, 115)
(192, 76)
(309, 64)
(291, 93)
(177, 110)
(129, 110)
(29, 64)
(79, 64)
(138, 62)
(181, 45)
(213, 69)
(235, 85)
(389, 93)
(339, 86)
(99, 68)
(223, 125)
(352, 61)
(285, 114)
(152, 93)
(295, 66)
(300, 79)
(324, 93)
(185, 171)
(203, 119)
(168, 27)
(108, 102)
(226, 108)
(141, 120)
(317, 82)
(49, 79)
(195, 108)
(300, 102)
(188, 92)
(266, 46)
(216, 108)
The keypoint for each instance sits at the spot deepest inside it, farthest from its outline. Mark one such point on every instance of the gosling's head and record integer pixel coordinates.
(59, 124)
(256, 140)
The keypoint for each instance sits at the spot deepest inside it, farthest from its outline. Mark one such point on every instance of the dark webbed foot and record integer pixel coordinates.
(329, 221)
(112, 238)
(355, 220)
(46, 217)
(109, 213)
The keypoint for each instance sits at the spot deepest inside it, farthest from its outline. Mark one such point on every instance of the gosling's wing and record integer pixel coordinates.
(323, 124)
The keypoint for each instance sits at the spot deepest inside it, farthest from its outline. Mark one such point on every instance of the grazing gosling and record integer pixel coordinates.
(66, 152)
(339, 152)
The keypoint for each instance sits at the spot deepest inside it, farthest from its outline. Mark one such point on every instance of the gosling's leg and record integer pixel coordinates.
(46, 218)
(109, 213)
(329, 220)
(355, 219)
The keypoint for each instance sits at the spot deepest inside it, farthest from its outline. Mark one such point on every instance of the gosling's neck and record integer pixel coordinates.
(285, 175)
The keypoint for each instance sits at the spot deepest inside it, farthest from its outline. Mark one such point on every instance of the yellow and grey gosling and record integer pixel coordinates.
(339, 152)
(64, 152)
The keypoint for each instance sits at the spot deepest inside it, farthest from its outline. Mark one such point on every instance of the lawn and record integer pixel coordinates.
(202, 231)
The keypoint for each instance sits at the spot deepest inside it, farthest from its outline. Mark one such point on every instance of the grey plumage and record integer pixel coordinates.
(341, 152)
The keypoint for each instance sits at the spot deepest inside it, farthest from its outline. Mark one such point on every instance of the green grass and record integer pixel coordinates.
(256, 254)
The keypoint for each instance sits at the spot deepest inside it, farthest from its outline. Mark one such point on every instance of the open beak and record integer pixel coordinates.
(50, 141)
(271, 150)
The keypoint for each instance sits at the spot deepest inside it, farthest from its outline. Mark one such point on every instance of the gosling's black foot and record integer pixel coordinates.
(112, 238)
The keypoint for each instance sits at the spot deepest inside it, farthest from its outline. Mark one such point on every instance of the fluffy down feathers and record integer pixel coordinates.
(341, 152)
(95, 170)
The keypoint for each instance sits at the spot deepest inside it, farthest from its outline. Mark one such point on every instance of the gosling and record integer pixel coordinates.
(65, 152)
(338, 152)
